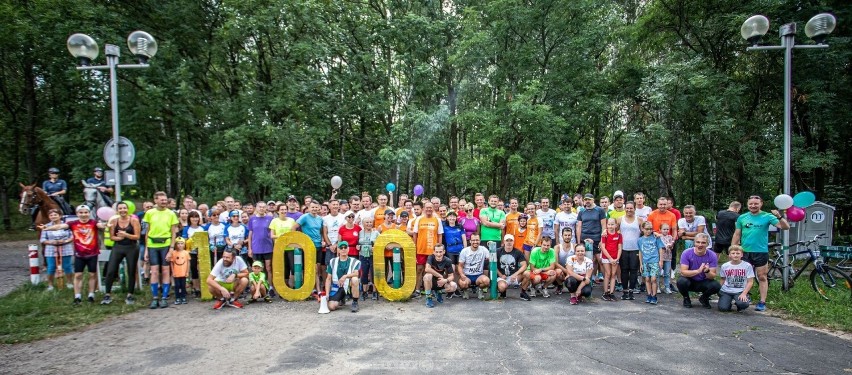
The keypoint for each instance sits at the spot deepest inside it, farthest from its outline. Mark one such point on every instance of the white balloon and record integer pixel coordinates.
(337, 182)
(783, 202)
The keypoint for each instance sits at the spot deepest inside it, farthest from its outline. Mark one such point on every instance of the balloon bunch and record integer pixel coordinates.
(795, 206)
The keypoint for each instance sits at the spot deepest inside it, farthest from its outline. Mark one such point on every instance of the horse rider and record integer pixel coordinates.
(98, 181)
(56, 189)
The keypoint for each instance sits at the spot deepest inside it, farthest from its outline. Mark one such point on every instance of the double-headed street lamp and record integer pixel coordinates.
(85, 49)
(817, 28)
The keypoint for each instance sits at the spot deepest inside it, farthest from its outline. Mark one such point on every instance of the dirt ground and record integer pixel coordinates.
(511, 336)
(14, 265)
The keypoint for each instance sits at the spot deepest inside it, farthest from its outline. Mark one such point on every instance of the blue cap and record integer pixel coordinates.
(234, 213)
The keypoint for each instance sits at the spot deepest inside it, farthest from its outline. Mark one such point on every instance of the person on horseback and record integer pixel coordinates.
(96, 192)
(56, 189)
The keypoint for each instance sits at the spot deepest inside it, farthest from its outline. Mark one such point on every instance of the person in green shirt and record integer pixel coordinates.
(493, 222)
(543, 270)
(258, 286)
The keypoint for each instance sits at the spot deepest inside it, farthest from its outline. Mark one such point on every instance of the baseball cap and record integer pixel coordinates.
(82, 207)
(347, 213)
(99, 169)
(508, 237)
(257, 263)
(291, 198)
(234, 213)
(180, 239)
(618, 193)
(589, 196)
(389, 212)
(270, 203)
(453, 213)
(342, 243)
(53, 170)
(403, 213)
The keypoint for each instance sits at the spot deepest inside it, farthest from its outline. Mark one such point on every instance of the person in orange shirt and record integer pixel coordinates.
(520, 232)
(180, 269)
(428, 232)
(533, 236)
(663, 215)
(512, 221)
(379, 212)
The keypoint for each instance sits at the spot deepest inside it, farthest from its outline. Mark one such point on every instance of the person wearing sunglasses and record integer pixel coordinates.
(342, 280)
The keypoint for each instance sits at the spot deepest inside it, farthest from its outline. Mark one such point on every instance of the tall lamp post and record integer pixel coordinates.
(817, 28)
(85, 49)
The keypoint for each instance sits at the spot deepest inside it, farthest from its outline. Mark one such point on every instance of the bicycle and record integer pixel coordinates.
(828, 281)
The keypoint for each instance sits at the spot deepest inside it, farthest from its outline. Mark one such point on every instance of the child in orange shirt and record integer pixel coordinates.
(180, 270)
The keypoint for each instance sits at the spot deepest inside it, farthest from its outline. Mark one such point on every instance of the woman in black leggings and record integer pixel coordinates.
(124, 230)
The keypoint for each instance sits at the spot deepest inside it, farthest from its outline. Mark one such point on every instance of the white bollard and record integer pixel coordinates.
(35, 275)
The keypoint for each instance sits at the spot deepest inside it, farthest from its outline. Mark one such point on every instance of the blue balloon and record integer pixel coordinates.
(804, 199)
(390, 186)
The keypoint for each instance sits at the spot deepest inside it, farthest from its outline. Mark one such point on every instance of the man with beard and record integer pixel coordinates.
(228, 278)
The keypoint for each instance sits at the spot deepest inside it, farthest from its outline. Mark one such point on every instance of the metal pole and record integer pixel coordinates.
(788, 40)
(112, 53)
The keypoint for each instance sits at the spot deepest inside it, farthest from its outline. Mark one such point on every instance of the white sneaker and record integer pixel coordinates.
(50, 288)
(668, 291)
(69, 286)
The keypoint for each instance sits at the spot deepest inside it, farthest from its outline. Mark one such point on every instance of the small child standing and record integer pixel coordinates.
(666, 257)
(651, 262)
(737, 280)
(258, 286)
(180, 269)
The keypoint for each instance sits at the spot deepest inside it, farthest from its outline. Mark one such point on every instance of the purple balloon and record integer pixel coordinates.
(795, 214)
(418, 190)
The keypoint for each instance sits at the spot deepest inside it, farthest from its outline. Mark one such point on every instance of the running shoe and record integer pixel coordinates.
(355, 306)
(50, 288)
(573, 300)
(177, 301)
(630, 296)
(439, 297)
(429, 303)
(648, 299)
(687, 302)
(668, 290)
(268, 299)
(761, 306)
(465, 294)
(154, 304)
(503, 294)
(624, 295)
(375, 296)
(91, 299)
(525, 296)
(705, 302)
(559, 290)
(654, 300)
(219, 303)
(479, 293)
(107, 300)
(77, 301)
(618, 287)
(164, 303)
(130, 300)
(606, 297)
(545, 294)
(235, 303)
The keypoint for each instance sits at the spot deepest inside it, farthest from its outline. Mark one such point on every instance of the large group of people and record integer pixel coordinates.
(619, 246)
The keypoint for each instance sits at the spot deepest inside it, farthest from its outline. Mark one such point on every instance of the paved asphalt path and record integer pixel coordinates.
(458, 337)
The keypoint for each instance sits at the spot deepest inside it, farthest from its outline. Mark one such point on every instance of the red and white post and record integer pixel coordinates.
(35, 275)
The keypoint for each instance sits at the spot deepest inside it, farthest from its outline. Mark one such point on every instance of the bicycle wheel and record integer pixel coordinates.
(832, 284)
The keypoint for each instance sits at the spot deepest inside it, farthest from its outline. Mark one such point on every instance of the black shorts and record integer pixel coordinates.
(321, 256)
(81, 263)
(756, 259)
(454, 258)
(719, 248)
(157, 256)
(262, 257)
(340, 296)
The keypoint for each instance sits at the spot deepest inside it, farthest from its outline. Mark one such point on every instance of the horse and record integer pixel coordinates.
(94, 198)
(33, 196)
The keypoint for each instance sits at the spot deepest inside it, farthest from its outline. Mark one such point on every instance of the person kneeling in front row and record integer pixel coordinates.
(228, 278)
(737, 280)
(698, 272)
(342, 278)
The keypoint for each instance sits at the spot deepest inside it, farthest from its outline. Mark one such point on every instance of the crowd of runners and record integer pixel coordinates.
(612, 246)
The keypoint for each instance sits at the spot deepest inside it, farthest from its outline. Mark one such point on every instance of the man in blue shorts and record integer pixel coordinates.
(472, 261)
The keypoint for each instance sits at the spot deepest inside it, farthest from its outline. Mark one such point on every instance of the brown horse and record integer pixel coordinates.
(34, 196)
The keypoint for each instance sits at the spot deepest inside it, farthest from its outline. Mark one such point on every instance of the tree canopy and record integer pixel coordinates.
(263, 98)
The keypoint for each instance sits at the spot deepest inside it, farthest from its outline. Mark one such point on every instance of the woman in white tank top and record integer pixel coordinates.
(629, 226)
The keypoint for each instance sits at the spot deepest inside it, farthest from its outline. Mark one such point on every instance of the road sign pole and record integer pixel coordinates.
(112, 53)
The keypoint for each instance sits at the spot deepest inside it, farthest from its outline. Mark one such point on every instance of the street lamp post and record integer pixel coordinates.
(817, 28)
(85, 49)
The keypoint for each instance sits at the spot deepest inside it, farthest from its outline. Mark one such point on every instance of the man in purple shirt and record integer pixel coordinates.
(259, 239)
(698, 272)
(293, 208)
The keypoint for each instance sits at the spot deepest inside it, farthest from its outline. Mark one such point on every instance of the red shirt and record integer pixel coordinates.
(85, 238)
(611, 242)
(351, 237)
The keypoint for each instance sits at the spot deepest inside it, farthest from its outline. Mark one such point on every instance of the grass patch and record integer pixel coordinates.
(803, 305)
(31, 313)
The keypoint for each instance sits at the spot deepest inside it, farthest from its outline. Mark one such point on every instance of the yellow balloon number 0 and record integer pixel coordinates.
(309, 252)
(410, 262)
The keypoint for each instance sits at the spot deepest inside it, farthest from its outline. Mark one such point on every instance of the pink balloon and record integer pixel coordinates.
(795, 214)
(105, 213)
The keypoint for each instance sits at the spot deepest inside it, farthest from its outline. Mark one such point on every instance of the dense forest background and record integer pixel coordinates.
(521, 98)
